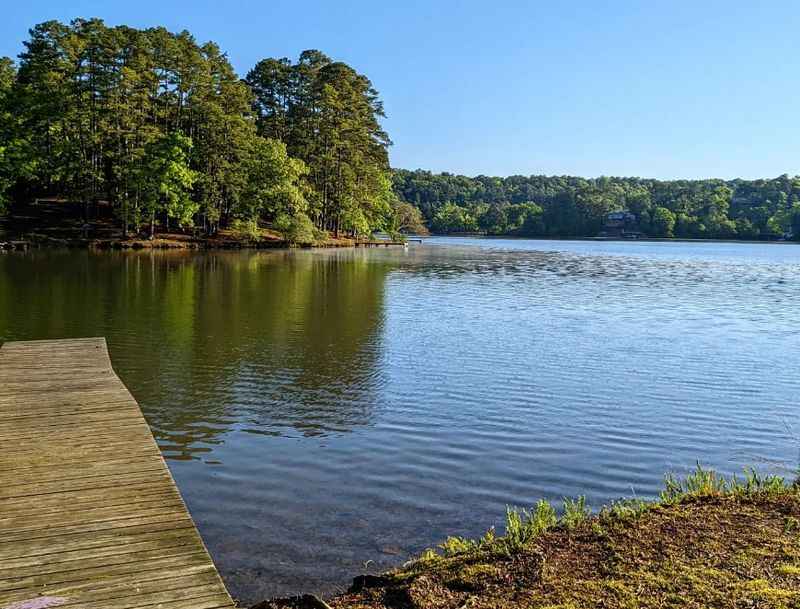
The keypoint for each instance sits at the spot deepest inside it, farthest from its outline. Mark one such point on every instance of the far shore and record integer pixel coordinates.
(615, 239)
(227, 241)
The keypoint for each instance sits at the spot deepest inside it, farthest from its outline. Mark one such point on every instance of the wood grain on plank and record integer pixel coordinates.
(89, 511)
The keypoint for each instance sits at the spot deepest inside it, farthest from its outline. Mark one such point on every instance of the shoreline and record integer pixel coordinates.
(158, 243)
(617, 239)
(48, 224)
(706, 542)
(183, 242)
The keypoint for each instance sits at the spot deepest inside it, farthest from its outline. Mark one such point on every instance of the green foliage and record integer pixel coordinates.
(15, 162)
(700, 483)
(662, 222)
(166, 179)
(494, 219)
(320, 235)
(245, 230)
(164, 129)
(453, 218)
(522, 526)
(624, 509)
(526, 219)
(405, 219)
(274, 184)
(453, 546)
(297, 229)
(428, 556)
(101, 106)
(757, 483)
(328, 115)
(571, 206)
(575, 512)
(707, 483)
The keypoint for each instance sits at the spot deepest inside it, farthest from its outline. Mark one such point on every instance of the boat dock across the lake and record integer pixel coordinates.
(90, 517)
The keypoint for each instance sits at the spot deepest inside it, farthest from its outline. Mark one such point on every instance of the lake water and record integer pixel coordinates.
(327, 413)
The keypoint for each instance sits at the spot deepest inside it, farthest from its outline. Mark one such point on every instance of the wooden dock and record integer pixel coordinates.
(90, 517)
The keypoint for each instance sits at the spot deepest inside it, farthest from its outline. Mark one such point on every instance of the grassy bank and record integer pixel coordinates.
(708, 542)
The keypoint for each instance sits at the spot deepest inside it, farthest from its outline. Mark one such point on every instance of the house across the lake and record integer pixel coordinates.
(621, 225)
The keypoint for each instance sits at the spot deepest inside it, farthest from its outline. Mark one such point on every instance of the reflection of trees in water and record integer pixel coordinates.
(261, 341)
(320, 372)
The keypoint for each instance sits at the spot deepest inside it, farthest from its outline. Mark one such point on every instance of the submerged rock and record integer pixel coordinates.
(305, 601)
(363, 582)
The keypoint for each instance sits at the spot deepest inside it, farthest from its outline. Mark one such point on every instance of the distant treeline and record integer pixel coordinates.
(563, 206)
(162, 129)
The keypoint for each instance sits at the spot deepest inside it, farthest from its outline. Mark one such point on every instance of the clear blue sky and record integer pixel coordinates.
(662, 89)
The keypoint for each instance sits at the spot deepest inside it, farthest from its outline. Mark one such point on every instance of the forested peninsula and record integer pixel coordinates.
(139, 133)
(158, 132)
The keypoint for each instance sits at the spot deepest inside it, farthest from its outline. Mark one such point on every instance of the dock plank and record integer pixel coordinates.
(89, 512)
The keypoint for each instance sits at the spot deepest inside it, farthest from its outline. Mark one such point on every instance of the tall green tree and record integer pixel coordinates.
(7, 130)
(406, 219)
(274, 182)
(166, 180)
(328, 115)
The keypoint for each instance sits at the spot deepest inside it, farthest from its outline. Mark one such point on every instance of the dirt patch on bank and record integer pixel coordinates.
(728, 550)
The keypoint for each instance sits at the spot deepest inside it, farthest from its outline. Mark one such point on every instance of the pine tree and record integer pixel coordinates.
(328, 115)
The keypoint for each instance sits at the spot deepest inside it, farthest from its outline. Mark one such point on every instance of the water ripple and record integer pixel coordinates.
(323, 409)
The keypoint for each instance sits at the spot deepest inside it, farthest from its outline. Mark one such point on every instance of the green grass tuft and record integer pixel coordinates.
(455, 546)
(707, 483)
(756, 483)
(625, 509)
(523, 526)
(575, 512)
(700, 483)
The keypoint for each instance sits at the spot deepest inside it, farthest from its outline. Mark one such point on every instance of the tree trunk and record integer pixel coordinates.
(125, 217)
